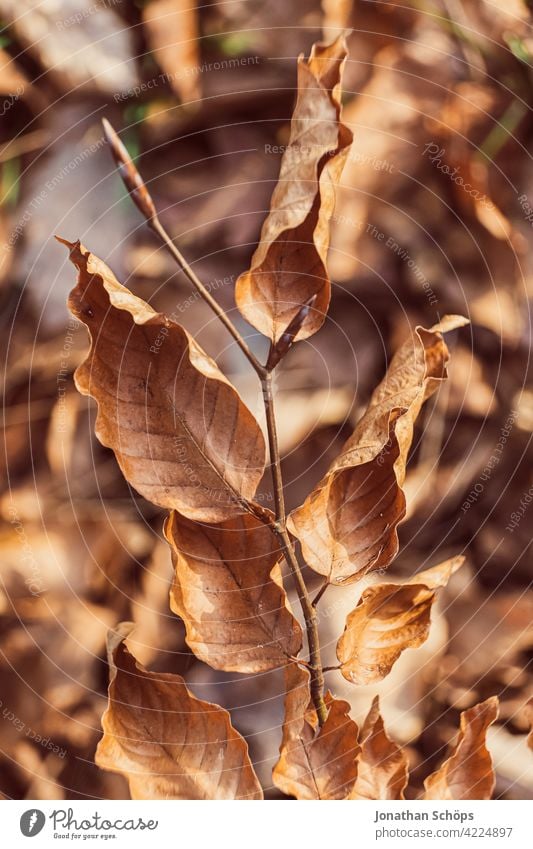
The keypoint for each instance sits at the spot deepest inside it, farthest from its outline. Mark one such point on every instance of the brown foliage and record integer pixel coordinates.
(467, 773)
(181, 434)
(388, 619)
(289, 265)
(316, 762)
(168, 743)
(382, 768)
(347, 525)
(228, 591)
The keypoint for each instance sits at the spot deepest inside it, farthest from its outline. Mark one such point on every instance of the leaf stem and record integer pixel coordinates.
(142, 199)
(280, 529)
(158, 228)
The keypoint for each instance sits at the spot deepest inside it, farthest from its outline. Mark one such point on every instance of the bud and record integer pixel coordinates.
(130, 176)
(286, 340)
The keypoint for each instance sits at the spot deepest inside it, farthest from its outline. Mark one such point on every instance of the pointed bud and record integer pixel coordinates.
(130, 176)
(286, 340)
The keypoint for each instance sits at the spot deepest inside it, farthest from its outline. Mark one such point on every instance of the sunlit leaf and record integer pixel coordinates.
(388, 619)
(289, 264)
(228, 590)
(468, 773)
(181, 434)
(315, 762)
(348, 525)
(382, 767)
(168, 743)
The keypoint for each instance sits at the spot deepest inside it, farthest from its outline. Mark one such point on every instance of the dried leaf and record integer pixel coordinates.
(388, 619)
(172, 33)
(382, 767)
(467, 774)
(315, 762)
(289, 264)
(347, 525)
(168, 743)
(228, 591)
(181, 434)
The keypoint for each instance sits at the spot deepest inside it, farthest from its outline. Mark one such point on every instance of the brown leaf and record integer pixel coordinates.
(180, 432)
(467, 774)
(168, 743)
(382, 767)
(228, 591)
(347, 525)
(388, 619)
(172, 33)
(315, 762)
(289, 264)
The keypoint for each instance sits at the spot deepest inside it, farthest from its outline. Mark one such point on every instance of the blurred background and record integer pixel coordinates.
(434, 215)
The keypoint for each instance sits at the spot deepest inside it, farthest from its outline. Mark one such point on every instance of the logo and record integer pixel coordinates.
(32, 822)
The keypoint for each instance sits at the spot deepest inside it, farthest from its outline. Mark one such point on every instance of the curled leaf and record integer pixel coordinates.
(315, 762)
(468, 773)
(168, 743)
(289, 264)
(382, 767)
(228, 591)
(388, 619)
(180, 432)
(348, 525)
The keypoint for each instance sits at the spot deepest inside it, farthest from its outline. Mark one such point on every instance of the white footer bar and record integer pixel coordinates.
(268, 825)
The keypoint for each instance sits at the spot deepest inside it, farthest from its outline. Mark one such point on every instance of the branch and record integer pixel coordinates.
(280, 529)
(142, 199)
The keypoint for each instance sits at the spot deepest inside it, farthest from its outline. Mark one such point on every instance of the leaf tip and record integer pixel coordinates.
(116, 636)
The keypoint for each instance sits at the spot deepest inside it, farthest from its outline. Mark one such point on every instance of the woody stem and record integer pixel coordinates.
(280, 529)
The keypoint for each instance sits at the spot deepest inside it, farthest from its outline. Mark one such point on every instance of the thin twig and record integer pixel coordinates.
(158, 228)
(144, 203)
(280, 527)
(142, 199)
